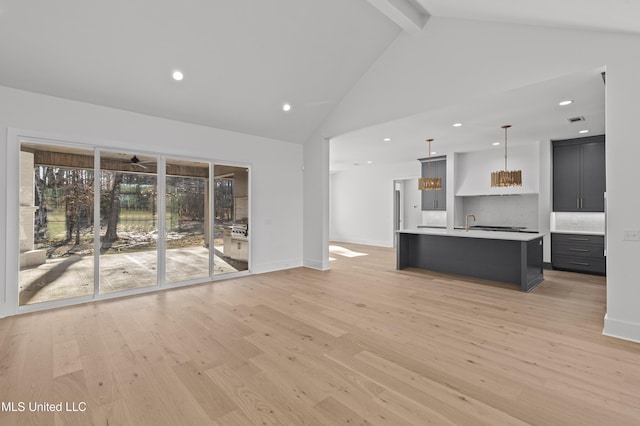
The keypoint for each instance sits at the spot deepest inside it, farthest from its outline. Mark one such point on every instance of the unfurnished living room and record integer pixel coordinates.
(385, 212)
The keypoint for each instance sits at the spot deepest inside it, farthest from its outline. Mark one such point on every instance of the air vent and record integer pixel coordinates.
(575, 119)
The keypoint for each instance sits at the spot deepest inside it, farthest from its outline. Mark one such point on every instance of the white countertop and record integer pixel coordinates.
(578, 232)
(490, 235)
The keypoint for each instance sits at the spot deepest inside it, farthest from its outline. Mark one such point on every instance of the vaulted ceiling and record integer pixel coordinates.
(608, 15)
(242, 60)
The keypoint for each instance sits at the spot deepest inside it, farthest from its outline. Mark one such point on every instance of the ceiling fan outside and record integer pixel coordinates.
(131, 161)
(135, 161)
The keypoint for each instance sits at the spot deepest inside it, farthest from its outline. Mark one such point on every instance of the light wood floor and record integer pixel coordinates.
(360, 344)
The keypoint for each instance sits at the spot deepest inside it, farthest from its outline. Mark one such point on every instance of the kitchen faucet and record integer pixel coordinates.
(466, 224)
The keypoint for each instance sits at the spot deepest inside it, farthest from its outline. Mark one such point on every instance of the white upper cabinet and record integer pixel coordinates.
(473, 170)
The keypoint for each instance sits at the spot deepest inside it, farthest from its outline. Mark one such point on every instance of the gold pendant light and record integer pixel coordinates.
(429, 183)
(506, 177)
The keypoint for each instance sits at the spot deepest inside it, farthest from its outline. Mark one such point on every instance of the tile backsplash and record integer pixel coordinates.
(434, 218)
(577, 222)
(510, 210)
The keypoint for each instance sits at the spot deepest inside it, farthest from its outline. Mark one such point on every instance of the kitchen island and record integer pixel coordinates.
(509, 257)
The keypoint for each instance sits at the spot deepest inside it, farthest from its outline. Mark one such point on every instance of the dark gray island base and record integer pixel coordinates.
(497, 256)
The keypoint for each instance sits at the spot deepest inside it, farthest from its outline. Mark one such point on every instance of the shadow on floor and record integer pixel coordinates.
(31, 289)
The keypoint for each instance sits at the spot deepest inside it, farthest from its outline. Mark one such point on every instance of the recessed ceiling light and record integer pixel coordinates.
(583, 131)
(565, 103)
(177, 75)
(495, 143)
(433, 153)
(369, 162)
(286, 107)
(457, 124)
(387, 139)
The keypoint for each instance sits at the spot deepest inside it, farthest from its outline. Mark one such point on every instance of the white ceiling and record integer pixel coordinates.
(241, 59)
(609, 15)
(533, 112)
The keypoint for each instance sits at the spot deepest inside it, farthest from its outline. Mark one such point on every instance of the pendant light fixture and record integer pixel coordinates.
(506, 177)
(429, 183)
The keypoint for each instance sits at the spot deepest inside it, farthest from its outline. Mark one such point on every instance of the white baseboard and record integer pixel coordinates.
(276, 266)
(316, 264)
(621, 329)
(363, 241)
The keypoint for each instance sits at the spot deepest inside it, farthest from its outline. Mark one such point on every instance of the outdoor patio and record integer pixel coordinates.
(63, 278)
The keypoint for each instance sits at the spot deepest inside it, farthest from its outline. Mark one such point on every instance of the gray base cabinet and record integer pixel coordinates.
(578, 253)
(507, 261)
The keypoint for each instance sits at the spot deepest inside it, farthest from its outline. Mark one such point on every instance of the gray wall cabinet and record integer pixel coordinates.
(579, 180)
(435, 199)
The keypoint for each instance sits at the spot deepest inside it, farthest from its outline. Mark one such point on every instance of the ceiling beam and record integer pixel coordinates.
(407, 14)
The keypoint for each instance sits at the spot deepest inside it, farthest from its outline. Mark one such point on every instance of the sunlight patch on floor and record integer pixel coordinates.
(345, 252)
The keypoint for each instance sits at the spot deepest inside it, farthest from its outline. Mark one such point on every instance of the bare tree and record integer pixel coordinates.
(78, 202)
(114, 207)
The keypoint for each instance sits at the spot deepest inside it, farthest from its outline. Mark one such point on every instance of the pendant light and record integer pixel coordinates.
(429, 183)
(506, 177)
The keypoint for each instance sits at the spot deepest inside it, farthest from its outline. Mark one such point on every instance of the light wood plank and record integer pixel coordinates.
(361, 344)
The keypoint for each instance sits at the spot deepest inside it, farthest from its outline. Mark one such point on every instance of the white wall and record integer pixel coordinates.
(362, 202)
(316, 203)
(623, 291)
(452, 61)
(410, 212)
(544, 198)
(3, 223)
(276, 190)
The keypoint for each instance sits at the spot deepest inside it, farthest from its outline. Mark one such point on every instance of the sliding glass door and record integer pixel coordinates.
(231, 227)
(128, 221)
(187, 220)
(56, 223)
(96, 222)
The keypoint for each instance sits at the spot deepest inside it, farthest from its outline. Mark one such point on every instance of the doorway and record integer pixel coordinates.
(398, 210)
(407, 205)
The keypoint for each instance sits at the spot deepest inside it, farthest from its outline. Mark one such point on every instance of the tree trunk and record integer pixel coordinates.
(68, 216)
(41, 213)
(77, 229)
(112, 220)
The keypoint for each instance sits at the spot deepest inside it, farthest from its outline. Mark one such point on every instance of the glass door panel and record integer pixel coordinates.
(56, 223)
(231, 213)
(128, 221)
(187, 220)
(58, 242)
